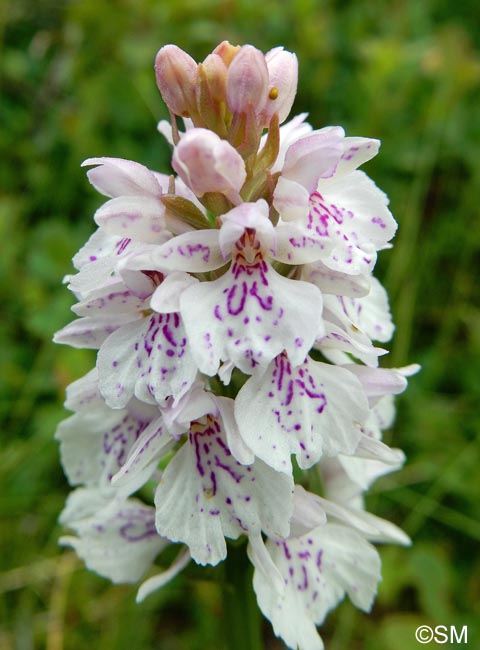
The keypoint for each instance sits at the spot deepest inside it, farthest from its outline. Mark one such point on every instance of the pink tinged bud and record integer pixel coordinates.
(211, 93)
(226, 51)
(216, 74)
(247, 80)
(282, 88)
(206, 163)
(176, 74)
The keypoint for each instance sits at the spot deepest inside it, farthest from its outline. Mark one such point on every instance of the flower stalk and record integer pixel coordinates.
(242, 618)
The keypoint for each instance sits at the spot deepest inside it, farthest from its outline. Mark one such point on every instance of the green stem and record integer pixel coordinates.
(242, 617)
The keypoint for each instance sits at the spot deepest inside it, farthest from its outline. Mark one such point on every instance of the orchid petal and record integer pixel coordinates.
(249, 316)
(205, 495)
(166, 297)
(118, 177)
(143, 457)
(193, 252)
(149, 358)
(161, 579)
(119, 542)
(140, 218)
(91, 332)
(291, 199)
(318, 569)
(310, 410)
(314, 157)
(356, 151)
(95, 443)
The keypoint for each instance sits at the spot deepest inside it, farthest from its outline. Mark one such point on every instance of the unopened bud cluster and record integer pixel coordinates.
(235, 313)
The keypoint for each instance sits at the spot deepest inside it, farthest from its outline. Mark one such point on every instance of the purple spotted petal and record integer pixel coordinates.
(100, 244)
(335, 282)
(352, 212)
(148, 358)
(205, 495)
(318, 569)
(119, 541)
(144, 455)
(310, 410)
(249, 316)
(96, 441)
(192, 252)
(117, 299)
(91, 332)
(141, 218)
(356, 151)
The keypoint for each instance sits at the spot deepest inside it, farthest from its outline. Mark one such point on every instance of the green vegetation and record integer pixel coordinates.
(77, 81)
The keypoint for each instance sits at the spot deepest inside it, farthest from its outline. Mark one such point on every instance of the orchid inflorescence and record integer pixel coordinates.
(234, 311)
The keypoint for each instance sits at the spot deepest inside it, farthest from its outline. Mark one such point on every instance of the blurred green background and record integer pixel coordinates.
(77, 81)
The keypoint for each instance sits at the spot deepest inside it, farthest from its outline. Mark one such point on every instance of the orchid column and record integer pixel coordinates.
(235, 315)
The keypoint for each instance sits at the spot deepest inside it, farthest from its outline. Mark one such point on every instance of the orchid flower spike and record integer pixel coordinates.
(238, 324)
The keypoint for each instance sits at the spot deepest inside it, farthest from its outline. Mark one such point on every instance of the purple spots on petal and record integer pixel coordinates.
(237, 477)
(139, 525)
(241, 296)
(191, 250)
(379, 221)
(304, 555)
(265, 302)
(122, 245)
(304, 585)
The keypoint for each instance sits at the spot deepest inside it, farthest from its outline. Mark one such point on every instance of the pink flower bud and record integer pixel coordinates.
(176, 74)
(247, 80)
(206, 163)
(226, 51)
(282, 88)
(216, 74)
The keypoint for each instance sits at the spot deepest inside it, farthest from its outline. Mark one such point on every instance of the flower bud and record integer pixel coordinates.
(282, 87)
(216, 75)
(247, 80)
(206, 163)
(226, 51)
(176, 74)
